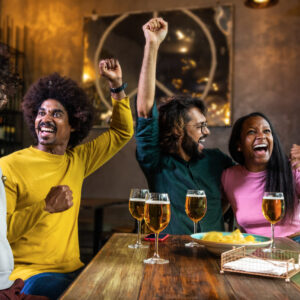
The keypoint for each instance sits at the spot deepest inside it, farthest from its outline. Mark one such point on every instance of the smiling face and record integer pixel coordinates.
(52, 127)
(195, 132)
(256, 143)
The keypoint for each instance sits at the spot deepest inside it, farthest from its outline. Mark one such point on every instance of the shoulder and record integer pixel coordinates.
(219, 156)
(214, 152)
(237, 169)
(232, 174)
(15, 156)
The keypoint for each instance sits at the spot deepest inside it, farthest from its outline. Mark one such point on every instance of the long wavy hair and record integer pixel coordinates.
(173, 115)
(70, 95)
(279, 171)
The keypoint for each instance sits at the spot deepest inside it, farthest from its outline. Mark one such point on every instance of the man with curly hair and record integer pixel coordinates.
(44, 181)
(170, 144)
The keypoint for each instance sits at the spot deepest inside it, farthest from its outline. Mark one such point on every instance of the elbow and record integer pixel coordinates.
(128, 134)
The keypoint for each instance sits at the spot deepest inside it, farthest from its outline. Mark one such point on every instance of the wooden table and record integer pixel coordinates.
(118, 272)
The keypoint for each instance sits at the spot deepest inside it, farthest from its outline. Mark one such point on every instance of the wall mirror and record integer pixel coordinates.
(195, 58)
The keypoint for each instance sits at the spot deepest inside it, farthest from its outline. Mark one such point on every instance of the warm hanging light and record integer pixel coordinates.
(260, 3)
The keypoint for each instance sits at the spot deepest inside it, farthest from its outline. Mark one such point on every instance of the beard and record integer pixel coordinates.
(190, 147)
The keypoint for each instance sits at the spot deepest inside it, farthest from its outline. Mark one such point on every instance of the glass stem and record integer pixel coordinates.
(273, 243)
(139, 233)
(195, 227)
(156, 246)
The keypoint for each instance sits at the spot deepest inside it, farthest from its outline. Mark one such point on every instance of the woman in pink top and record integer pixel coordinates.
(263, 166)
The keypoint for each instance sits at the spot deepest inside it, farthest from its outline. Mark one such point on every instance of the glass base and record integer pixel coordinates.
(192, 244)
(156, 260)
(138, 246)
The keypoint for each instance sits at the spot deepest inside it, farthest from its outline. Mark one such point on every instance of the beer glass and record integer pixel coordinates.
(273, 209)
(195, 208)
(157, 217)
(136, 207)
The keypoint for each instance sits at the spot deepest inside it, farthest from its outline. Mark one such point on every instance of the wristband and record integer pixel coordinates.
(119, 89)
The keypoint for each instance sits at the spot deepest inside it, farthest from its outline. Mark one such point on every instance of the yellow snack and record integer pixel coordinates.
(213, 236)
(236, 237)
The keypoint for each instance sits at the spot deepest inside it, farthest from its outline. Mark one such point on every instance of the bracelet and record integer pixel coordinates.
(119, 89)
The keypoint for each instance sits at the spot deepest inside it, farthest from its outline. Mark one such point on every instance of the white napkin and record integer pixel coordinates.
(255, 265)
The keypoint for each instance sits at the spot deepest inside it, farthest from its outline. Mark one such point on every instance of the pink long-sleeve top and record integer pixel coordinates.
(244, 190)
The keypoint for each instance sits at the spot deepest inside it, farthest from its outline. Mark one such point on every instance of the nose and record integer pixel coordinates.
(47, 117)
(260, 135)
(205, 130)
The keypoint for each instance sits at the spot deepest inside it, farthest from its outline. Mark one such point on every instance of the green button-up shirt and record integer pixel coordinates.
(173, 175)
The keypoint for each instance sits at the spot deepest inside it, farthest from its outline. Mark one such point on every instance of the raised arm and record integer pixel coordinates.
(98, 151)
(111, 70)
(155, 32)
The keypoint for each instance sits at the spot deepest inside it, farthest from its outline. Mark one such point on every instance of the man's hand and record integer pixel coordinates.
(59, 199)
(155, 31)
(295, 156)
(111, 69)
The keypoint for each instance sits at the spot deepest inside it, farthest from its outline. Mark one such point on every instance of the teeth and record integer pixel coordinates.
(201, 140)
(47, 130)
(260, 146)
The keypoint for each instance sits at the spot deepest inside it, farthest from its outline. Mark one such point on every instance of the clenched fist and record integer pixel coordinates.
(59, 199)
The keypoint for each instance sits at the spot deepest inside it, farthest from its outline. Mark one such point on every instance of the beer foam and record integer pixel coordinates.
(157, 202)
(137, 199)
(274, 197)
(193, 195)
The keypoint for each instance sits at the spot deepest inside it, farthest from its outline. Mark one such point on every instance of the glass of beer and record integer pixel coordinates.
(157, 217)
(273, 209)
(195, 208)
(137, 200)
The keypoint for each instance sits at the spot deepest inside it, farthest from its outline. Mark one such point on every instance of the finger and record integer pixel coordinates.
(70, 203)
(102, 65)
(107, 65)
(157, 25)
(152, 25)
(163, 23)
(113, 63)
(117, 64)
(295, 154)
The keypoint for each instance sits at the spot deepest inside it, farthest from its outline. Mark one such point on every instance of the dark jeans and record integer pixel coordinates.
(49, 284)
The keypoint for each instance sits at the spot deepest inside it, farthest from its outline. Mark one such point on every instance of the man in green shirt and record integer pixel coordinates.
(170, 147)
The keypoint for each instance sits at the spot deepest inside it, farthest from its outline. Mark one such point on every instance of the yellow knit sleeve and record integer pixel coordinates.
(106, 145)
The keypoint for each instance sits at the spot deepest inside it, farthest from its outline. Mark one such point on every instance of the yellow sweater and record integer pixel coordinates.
(44, 242)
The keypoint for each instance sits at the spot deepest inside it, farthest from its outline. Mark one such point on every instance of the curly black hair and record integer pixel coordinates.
(70, 95)
(173, 115)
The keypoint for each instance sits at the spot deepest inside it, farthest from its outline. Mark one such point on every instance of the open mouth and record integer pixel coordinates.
(47, 128)
(201, 140)
(260, 148)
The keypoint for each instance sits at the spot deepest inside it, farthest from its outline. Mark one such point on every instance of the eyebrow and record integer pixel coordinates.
(53, 111)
